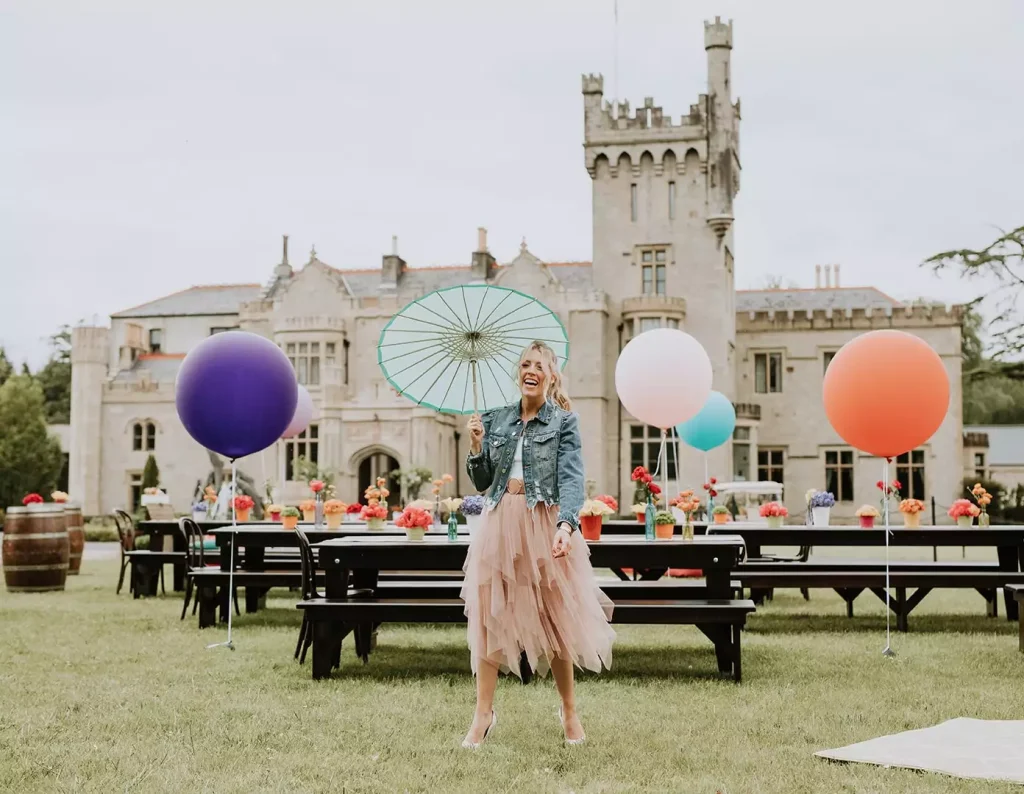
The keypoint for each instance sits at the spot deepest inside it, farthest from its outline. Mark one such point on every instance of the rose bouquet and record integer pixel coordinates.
(774, 512)
(32, 499)
(687, 504)
(981, 496)
(964, 512)
(374, 514)
(415, 522)
(334, 510)
(242, 503)
(912, 509)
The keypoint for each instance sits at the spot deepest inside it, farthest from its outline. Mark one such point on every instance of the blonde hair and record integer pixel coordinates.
(554, 390)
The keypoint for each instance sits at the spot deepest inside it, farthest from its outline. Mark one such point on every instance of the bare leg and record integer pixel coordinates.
(563, 672)
(486, 683)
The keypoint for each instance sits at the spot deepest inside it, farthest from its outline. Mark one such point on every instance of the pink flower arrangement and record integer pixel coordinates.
(414, 518)
(962, 508)
(611, 501)
(773, 510)
(243, 502)
(32, 499)
(376, 510)
(316, 486)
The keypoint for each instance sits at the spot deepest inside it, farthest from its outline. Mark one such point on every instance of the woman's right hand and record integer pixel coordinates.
(476, 434)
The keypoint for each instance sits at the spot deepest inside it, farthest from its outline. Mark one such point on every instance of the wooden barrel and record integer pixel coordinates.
(35, 548)
(76, 537)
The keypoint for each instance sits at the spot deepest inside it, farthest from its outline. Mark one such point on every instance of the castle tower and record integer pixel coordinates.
(89, 352)
(663, 214)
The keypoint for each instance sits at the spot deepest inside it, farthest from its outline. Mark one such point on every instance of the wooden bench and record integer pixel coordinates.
(851, 583)
(1017, 592)
(721, 621)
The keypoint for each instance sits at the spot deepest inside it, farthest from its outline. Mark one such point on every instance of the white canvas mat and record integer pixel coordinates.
(983, 749)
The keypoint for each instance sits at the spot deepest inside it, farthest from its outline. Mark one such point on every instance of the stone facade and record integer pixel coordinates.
(663, 255)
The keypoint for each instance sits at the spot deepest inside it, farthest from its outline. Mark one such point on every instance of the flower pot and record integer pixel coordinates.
(334, 520)
(473, 523)
(590, 526)
(242, 515)
(664, 531)
(867, 522)
(198, 515)
(309, 516)
(290, 522)
(640, 519)
(821, 515)
(276, 515)
(912, 520)
(377, 524)
(775, 522)
(412, 533)
(965, 522)
(721, 518)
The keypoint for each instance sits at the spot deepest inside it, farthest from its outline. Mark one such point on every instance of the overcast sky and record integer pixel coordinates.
(151, 146)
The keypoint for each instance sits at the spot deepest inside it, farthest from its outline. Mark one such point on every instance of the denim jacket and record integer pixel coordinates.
(552, 458)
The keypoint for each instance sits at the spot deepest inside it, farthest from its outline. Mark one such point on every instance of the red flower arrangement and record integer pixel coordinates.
(355, 507)
(654, 488)
(709, 486)
(32, 499)
(962, 508)
(316, 486)
(773, 510)
(243, 502)
(414, 518)
(645, 483)
(373, 511)
(611, 501)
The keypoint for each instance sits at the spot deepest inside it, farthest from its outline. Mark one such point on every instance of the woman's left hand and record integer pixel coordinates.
(563, 542)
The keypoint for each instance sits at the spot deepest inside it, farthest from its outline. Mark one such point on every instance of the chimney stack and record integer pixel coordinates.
(828, 276)
(392, 267)
(483, 263)
(283, 270)
(837, 274)
(817, 276)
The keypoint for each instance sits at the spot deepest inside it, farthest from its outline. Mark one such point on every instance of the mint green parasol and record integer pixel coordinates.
(457, 349)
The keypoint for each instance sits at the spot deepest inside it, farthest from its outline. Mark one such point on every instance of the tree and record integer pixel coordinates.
(989, 396)
(150, 474)
(30, 458)
(55, 378)
(775, 281)
(6, 367)
(1002, 262)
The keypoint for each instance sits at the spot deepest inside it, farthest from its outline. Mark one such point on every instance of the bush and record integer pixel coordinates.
(98, 533)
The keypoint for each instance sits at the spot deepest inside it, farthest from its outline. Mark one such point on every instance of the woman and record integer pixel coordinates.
(529, 587)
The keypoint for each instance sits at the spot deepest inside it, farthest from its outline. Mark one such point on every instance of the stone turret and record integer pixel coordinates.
(89, 351)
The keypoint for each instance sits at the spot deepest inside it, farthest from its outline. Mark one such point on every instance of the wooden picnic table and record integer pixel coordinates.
(1008, 541)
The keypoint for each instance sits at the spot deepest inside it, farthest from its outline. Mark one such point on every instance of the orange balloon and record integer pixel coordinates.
(886, 392)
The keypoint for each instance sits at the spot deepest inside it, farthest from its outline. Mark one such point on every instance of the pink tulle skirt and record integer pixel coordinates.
(520, 599)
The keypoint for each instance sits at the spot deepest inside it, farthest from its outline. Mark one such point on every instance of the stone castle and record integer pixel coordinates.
(663, 255)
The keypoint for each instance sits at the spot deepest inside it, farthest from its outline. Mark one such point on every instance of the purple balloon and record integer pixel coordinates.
(236, 393)
(303, 414)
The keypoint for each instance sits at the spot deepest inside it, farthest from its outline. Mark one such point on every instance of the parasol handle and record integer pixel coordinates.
(472, 366)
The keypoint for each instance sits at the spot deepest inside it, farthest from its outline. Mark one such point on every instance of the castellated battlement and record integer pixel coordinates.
(593, 84)
(89, 344)
(607, 121)
(869, 319)
(718, 34)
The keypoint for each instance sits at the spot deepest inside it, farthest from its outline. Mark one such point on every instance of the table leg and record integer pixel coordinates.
(1010, 559)
(718, 583)
(325, 639)
(336, 583)
(206, 596)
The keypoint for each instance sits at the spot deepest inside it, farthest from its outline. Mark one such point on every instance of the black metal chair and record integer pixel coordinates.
(195, 560)
(126, 538)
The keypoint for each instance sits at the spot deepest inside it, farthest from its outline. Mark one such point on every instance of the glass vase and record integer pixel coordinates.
(688, 528)
(649, 520)
(453, 527)
(984, 520)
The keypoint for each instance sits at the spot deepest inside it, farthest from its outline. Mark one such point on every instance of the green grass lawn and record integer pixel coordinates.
(104, 693)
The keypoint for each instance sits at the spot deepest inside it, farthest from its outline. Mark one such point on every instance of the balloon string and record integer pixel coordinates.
(888, 611)
(234, 539)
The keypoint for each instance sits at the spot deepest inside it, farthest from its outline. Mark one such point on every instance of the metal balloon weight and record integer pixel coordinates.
(457, 350)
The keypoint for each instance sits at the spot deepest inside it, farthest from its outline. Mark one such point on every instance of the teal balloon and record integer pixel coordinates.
(712, 426)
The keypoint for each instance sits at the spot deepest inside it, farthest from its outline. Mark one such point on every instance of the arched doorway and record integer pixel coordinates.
(380, 464)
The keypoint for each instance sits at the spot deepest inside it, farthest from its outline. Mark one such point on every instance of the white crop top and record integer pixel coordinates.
(517, 461)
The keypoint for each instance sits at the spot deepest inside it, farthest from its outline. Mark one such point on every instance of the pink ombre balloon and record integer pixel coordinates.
(663, 377)
(303, 414)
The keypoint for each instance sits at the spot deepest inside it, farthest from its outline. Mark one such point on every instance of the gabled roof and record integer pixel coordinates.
(838, 298)
(1005, 443)
(209, 299)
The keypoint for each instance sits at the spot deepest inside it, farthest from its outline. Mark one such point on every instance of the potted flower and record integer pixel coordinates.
(374, 515)
(352, 513)
(611, 501)
(591, 515)
(59, 497)
(867, 515)
(473, 510)
(774, 512)
(32, 499)
(912, 509)
(289, 517)
(821, 507)
(199, 510)
(414, 521)
(720, 514)
(243, 503)
(308, 508)
(964, 512)
(981, 496)
(273, 511)
(687, 504)
(334, 510)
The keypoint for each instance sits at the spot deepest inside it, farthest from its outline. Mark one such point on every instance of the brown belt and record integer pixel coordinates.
(515, 486)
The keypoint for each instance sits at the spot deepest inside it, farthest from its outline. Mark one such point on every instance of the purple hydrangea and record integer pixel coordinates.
(472, 505)
(823, 499)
